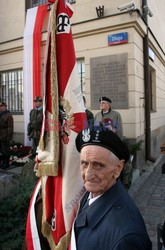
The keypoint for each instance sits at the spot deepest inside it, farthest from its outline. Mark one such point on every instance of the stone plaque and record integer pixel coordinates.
(109, 77)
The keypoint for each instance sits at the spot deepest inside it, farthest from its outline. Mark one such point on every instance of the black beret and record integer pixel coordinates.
(3, 104)
(104, 99)
(38, 99)
(105, 138)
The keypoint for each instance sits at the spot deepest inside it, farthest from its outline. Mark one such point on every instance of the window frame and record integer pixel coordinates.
(11, 81)
(31, 4)
(71, 1)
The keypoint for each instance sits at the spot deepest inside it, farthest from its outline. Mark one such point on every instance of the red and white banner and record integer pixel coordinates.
(32, 60)
(32, 236)
(59, 166)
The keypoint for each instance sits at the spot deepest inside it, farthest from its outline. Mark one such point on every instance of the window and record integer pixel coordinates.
(38, 2)
(81, 73)
(11, 89)
(153, 89)
(33, 3)
(71, 1)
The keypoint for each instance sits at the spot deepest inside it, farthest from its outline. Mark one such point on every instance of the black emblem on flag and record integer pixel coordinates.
(53, 221)
(63, 23)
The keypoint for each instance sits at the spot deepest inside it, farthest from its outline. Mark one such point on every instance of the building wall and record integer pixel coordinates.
(91, 41)
(12, 16)
(90, 38)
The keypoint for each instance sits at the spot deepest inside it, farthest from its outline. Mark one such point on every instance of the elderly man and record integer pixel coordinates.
(107, 218)
(108, 117)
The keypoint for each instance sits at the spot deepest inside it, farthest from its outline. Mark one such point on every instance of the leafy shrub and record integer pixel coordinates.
(133, 147)
(13, 214)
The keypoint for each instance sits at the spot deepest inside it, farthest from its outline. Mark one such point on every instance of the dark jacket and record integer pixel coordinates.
(90, 118)
(112, 222)
(35, 124)
(6, 126)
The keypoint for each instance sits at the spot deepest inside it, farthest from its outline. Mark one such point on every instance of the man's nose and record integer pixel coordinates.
(89, 171)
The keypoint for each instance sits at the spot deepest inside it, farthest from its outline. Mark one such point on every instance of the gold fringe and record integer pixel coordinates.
(47, 169)
(41, 143)
(54, 85)
(63, 242)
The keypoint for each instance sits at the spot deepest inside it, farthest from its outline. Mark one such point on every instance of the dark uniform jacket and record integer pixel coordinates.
(35, 124)
(6, 126)
(90, 118)
(112, 222)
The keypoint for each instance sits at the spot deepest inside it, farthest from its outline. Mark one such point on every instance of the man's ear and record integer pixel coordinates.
(119, 168)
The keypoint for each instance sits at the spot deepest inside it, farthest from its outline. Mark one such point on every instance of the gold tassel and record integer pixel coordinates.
(47, 169)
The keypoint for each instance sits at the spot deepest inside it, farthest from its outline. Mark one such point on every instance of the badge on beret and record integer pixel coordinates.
(86, 135)
(96, 139)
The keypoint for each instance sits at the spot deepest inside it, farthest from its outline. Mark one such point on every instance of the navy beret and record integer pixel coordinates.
(104, 99)
(105, 138)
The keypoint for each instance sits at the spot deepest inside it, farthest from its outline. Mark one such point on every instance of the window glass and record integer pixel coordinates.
(71, 1)
(38, 2)
(11, 89)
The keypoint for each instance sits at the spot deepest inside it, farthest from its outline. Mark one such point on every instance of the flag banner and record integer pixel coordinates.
(32, 59)
(64, 117)
(32, 237)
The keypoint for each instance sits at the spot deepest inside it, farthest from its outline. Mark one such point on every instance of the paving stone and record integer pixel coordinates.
(149, 195)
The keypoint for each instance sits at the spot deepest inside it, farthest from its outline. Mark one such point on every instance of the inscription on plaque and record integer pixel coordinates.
(109, 77)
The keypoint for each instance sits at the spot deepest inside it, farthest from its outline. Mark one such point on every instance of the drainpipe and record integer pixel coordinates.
(147, 90)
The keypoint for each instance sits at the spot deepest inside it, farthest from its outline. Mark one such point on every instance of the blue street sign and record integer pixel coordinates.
(118, 38)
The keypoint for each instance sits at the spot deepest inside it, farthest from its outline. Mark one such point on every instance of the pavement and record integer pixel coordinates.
(148, 192)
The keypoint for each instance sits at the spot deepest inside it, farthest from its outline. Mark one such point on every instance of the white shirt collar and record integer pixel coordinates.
(91, 200)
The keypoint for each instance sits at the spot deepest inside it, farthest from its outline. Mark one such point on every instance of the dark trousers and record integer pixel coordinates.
(5, 153)
(35, 143)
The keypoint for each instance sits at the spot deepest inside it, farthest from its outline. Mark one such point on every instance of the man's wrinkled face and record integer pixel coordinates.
(99, 169)
(105, 106)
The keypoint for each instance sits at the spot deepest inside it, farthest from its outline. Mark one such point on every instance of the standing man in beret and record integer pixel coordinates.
(107, 219)
(35, 124)
(6, 133)
(108, 117)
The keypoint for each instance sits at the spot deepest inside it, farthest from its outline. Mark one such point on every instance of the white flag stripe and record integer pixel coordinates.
(28, 67)
(71, 191)
(34, 230)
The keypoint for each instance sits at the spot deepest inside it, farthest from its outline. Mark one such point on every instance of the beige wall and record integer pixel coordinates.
(156, 23)
(12, 16)
(90, 39)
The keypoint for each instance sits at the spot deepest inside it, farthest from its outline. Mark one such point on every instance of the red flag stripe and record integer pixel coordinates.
(41, 13)
(64, 49)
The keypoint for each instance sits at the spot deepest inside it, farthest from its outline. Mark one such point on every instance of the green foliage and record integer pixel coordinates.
(13, 214)
(134, 147)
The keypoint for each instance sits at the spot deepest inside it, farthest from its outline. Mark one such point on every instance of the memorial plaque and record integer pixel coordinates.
(109, 77)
